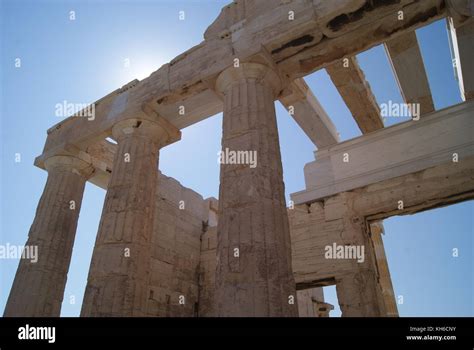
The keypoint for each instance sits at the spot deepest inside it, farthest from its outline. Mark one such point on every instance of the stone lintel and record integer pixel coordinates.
(373, 158)
(296, 47)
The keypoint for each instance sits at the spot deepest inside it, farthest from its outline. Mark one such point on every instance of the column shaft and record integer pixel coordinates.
(357, 284)
(254, 274)
(358, 291)
(38, 288)
(357, 294)
(376, 230)
(118, 277)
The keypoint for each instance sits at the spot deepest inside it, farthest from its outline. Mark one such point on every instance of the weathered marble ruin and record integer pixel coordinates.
(163, 250)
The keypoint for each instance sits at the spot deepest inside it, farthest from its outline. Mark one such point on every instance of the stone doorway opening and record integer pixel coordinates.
(430, 258)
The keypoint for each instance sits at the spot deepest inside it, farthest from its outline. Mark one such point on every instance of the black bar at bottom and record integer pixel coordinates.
(448, 333)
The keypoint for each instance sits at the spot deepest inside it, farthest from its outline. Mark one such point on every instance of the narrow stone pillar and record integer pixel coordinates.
(357, 294)
(118, 277)
(358, 289)
(376, 230)
(254, 275)
(38, 288)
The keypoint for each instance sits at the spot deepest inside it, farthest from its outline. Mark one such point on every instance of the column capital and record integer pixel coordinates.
(249, 70)
(161, 132)
(70, 164)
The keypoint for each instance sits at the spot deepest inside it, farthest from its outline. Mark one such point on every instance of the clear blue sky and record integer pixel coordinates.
(82, 60)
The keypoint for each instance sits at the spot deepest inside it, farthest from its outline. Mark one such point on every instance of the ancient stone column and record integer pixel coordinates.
(358, 288)
(376, 231)
(358, 295)
(38, 288)
(357, 279)
(118, 277)
(254, 274)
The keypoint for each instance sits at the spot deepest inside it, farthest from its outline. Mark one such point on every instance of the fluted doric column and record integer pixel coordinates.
(118, 276)
(38, 288)
(254, 274)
